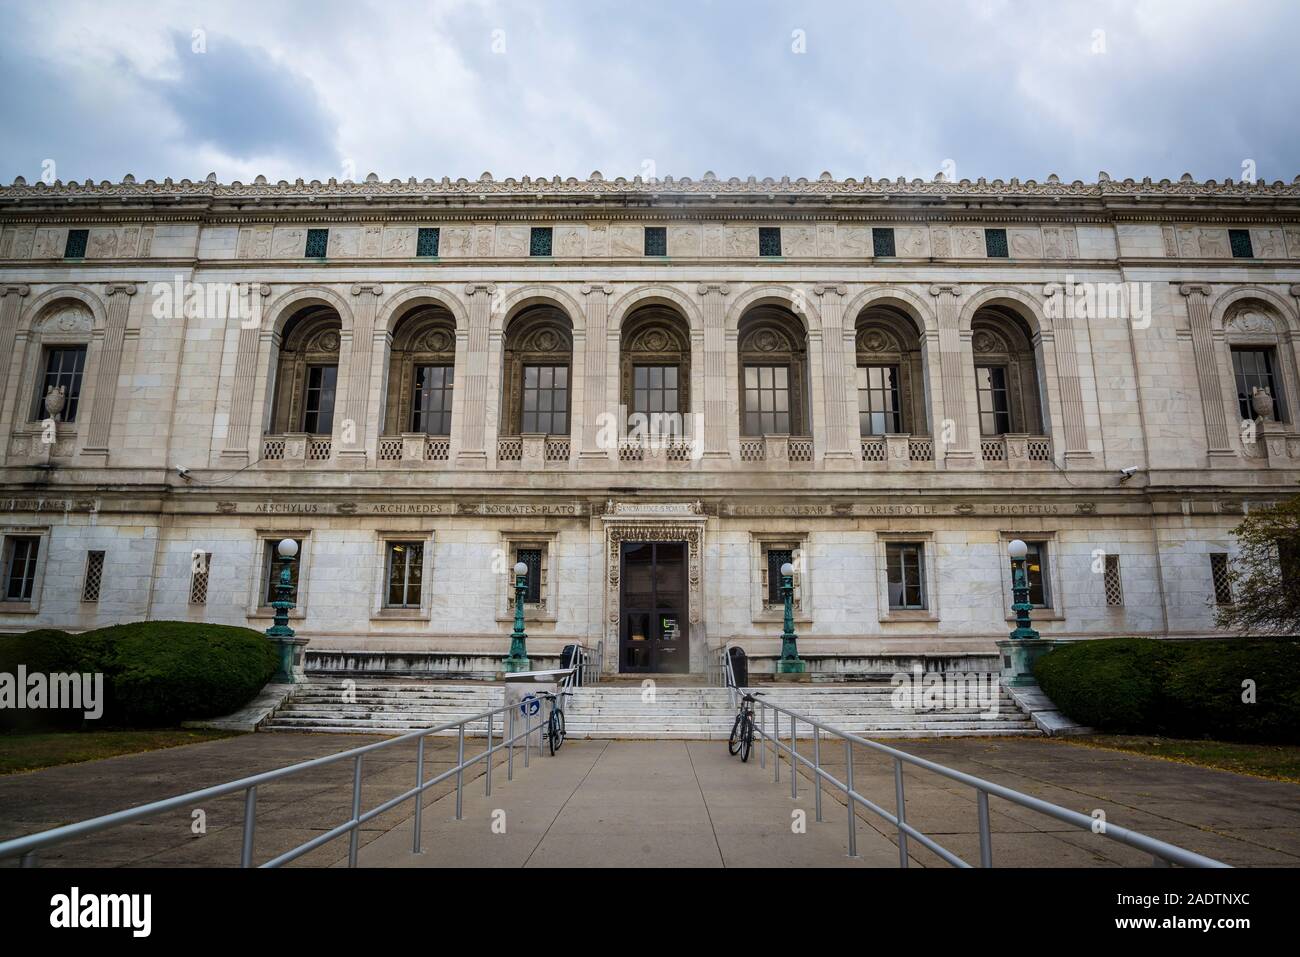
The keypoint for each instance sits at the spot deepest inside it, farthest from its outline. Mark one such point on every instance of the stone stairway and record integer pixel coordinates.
(617, 710)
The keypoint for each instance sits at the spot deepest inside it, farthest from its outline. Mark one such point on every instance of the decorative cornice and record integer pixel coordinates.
(597, 187)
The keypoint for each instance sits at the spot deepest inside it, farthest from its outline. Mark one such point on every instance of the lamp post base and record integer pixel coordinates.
(511, 664)
(791, 666)
(1018, 657)
(287, 649)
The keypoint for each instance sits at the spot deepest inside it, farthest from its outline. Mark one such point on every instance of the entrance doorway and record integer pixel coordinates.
(653, 608)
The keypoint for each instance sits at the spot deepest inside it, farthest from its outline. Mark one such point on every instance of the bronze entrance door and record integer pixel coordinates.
(652, 608)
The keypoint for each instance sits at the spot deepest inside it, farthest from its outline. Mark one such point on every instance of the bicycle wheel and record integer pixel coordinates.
(553, 731)
(746, 737)
(733, 742)
(559, 724)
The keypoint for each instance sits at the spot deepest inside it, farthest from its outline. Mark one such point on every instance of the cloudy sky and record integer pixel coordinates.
(995, 88)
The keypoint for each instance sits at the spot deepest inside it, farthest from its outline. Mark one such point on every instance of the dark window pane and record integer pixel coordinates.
(272, 565)
(1240, 242)
(539, 241)
(405, 574)
(532, 557)
(995, 243)
(426, 243)
(64, 367)
(318, 404)
(776, 557)
(656, 241)
(317, 242)
(878, 401)
(904, 572)
(431, 412)
(994, 407)
(883, 241)
(20, 570)
(1253, 369)
(545, 400)
(75, 248)
(769, 240)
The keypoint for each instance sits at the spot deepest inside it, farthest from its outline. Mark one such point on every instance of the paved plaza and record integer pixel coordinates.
(652, 803)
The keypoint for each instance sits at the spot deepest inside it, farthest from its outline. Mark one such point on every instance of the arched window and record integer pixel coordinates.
(59, 345)
(1006, 376)
(1260, 358)
(890, 371)
(773, 358)
(537, 377)
(306, 382)
(421, 370)
(655, 363)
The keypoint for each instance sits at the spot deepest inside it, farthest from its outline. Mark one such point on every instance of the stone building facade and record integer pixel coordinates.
(652, 393)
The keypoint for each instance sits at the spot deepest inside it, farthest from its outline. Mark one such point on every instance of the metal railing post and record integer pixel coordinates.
(848, 795)
(30, 859)
(528, 735)
(419, 796)
(900, 812)
(986, 839)
(762, 736)
(488, 774)
(794, 767)
(510, 748)
(250, 812)
(776, 746)
(817, 770)
(354, 836)
(460, 768)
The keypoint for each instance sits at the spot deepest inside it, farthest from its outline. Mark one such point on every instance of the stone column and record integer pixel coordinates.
(595, 372)
(109, 368)
(1207, 370)
(841, 429)
(352, 432)
(1066, 350)
(11, 310)
(473, 440)
(953, 359)
(241, 393)
(715, 369)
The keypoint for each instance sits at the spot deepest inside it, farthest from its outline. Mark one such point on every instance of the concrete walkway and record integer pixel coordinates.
(634, 804)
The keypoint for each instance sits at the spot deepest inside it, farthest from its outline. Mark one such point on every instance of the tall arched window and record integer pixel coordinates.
(890, 372)
(421, 370)
(655, 362)
(1261, 359)
(58, 348)
(1006, 375)
(538, 373)
(306, 382)
(773, 358)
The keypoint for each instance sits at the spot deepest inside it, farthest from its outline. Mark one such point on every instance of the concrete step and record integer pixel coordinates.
(620, 709)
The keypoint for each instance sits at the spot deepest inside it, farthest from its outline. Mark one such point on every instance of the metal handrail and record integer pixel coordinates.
(1163, 854)
(26, 848)
(587, 666)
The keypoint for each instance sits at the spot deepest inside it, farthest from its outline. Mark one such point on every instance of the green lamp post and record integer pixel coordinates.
(1020, 590)
(280, 632)
(790, 663)
(517, 660)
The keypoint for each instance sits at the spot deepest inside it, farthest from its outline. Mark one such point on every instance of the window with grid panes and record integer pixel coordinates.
(882, 241)
(879, 411)
(776, 557)
(532, 558)
(20, 566)
(426, 241)
(94, 576)
(905, 571)
(994, 407)
(64, 366)
(405, 574)
(767, 400)
(431, 400)
(656, 240)
(75, 247)
(995, 243)
(1253, 368)
(546, 400)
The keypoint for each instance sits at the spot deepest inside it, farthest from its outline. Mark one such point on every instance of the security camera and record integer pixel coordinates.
(183, 472)
(1128, 473)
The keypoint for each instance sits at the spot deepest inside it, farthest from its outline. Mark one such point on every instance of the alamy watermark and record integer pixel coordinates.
(935, 691)
(61, 691)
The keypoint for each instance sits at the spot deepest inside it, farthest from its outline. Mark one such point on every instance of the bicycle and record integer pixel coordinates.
(554, 732)
(742, 732)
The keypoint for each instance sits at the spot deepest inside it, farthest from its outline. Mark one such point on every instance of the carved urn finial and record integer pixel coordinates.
(1262, 402)
(55, 399)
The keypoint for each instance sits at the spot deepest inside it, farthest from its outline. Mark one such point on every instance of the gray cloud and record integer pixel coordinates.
(1001, 87)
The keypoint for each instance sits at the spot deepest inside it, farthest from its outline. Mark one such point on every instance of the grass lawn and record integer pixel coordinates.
(28, 752)
(1277, 762)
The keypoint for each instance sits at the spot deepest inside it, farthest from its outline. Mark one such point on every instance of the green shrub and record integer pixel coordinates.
(1188, 689)
(163, 672)
(47, 651)
(156, 673)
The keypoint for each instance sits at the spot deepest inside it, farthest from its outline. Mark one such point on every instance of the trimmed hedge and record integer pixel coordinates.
(156, 673)
(1184, 689)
